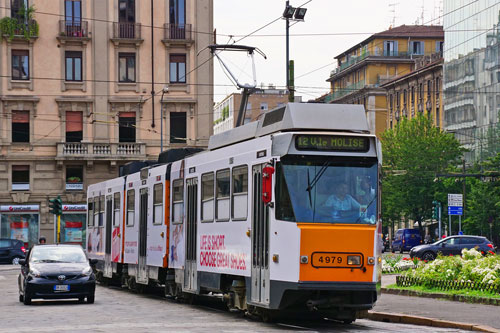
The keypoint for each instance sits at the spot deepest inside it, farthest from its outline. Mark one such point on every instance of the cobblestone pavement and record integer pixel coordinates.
(118, 310)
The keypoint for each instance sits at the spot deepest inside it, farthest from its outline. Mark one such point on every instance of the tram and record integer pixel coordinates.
(281, 215)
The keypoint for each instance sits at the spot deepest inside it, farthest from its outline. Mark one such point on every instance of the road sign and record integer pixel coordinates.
(455, 200)
(453, 210)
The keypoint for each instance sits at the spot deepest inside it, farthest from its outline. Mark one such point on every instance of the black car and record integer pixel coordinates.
(56, 272)
(11, 250)
(452, 245)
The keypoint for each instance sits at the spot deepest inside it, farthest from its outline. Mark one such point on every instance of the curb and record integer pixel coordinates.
(423, 321)
(456, 298)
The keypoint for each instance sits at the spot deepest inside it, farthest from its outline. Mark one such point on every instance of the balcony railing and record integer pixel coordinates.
(30, 27)
(101, 150)
(178, 32)
(345, 91)
(20, 186)
(125, 30)
(73, 29)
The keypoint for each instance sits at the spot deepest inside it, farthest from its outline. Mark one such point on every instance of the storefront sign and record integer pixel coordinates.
(19, 208)
(74, 208)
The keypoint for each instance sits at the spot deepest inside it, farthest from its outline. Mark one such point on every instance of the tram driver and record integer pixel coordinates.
(343, 204)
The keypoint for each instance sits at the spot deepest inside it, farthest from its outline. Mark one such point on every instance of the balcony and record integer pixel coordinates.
(101, 151)
(20, 186)
(19, 29)
(127, 33)
(177, 34)
(345, 91)
(73, 31)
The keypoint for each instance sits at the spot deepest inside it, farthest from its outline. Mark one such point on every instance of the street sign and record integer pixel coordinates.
(455, 200)
(453, 210)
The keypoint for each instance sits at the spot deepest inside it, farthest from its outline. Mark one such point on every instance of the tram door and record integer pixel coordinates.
(190, 273)
(260, 241)
(142, 272)
(108, 268)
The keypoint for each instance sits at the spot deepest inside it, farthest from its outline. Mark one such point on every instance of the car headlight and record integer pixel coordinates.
(87, 271)
(34, 273)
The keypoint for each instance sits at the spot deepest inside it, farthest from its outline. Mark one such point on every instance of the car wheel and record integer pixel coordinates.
(27, 300)
(91, 299)
(428, 256)
(401, 250)
(392, 250)
(81, 299)
(15, 260)
(21, 298)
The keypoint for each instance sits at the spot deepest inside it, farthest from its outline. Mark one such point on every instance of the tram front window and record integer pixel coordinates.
(326, 190)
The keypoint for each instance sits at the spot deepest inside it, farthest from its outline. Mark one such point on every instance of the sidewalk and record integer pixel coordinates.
(436, 308)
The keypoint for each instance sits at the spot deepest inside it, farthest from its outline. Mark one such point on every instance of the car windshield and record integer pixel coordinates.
(49, 254)
(326, 189)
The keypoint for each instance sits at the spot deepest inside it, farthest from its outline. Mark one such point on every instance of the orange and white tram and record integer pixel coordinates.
(278, 215)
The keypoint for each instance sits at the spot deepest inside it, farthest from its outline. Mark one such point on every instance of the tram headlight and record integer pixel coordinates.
(304, 259)
(354, 260)
(371, 260)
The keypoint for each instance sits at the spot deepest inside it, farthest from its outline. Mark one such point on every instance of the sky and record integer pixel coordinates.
(331, 27)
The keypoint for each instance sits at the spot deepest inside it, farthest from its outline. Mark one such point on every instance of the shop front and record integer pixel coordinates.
(73, 224)
(21, 222)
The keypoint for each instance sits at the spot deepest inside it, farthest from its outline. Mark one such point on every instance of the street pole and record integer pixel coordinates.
(459, 224)
(287, 50)
(439, 221)
(58, 228)
(449, 228)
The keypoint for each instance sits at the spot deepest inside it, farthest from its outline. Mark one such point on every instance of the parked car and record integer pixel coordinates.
(56, 272)
(405, 239)
(11, 250)
(451, 245)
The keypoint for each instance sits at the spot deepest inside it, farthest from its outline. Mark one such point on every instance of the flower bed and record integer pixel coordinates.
(397, 264)
(470, 271)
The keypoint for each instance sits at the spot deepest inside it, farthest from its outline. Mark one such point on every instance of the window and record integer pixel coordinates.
(177, 12)
(73, 66)
(207, 197)
(177, 68)
(20, 65)
(126, 127)
(20, 126)
(223, 191)
(116, 209)
(126, 11)
(239, 201)
(439, 46)
(96, 211)
(90, 212)
(158, 203)
(74, 178)
(412, 95)
(73, 12)
(390, 48)
(417, 47)
(101, 211)
(178, 132)
(74, 126)
(126, 70)
(177, 201)
(264, 106)
(429, 88)
(130, 207)
(20, 178)
(16, 6)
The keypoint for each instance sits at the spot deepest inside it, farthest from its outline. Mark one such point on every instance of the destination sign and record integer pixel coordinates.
(332, 143)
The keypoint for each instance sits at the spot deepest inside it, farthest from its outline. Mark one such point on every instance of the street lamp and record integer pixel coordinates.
(294, 14)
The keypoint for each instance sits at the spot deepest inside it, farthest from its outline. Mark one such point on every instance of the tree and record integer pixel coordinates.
(413, 153)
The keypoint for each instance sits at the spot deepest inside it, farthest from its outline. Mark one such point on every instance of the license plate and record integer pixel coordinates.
(333, 260)
(61, 287)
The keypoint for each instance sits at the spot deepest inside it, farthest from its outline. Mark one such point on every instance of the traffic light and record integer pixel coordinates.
(55, 206)
(435, 209)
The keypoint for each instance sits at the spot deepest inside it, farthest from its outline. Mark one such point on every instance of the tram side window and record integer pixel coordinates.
(90, 213)
(101, 210)
(116, 209)
(157, 203)
(223, 195)
(177, 201)
(207, 197)
(96, 211)
(239, 199)
(130, 207)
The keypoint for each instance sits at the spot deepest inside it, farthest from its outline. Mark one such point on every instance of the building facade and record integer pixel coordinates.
(262, 100)
(472, 75)
(417, 92)
(87, 86)
(364, 68)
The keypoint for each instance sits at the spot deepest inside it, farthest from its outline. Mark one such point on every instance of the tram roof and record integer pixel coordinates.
(297, 117)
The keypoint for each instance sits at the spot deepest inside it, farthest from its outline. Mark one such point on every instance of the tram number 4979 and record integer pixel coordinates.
(330, 259)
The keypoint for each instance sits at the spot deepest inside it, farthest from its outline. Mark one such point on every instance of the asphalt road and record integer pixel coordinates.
(119, 310)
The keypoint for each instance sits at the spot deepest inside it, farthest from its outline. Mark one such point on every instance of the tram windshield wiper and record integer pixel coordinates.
(310, 185)
(374, 197)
